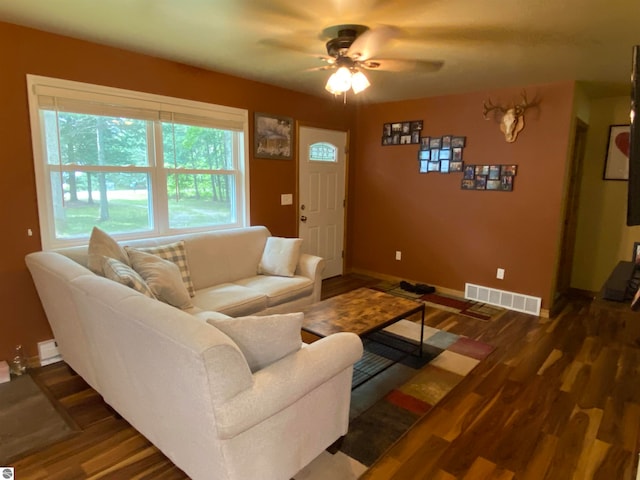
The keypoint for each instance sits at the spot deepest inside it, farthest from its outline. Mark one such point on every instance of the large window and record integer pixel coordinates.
(134, 164)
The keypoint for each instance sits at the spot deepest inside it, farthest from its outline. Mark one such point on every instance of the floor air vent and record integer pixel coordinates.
(501, 298)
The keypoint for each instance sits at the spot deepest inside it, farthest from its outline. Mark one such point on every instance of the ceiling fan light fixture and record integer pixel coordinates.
(359, 82)
(339, 81)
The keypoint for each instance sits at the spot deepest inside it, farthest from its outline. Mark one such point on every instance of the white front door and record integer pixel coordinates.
(322, 195)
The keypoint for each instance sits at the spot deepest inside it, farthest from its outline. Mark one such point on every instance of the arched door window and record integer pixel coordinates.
(323, 152)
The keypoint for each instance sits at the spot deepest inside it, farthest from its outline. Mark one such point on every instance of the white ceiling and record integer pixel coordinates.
(484, 44)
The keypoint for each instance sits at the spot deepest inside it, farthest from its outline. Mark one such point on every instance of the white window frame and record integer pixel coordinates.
(39, 85)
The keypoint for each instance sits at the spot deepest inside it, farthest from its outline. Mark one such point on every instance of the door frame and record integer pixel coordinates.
(566, 251)
(347, 131)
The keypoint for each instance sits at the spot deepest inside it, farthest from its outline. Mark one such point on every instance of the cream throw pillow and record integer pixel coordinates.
(280, 256)
(119, 272)
(162, 276)
(102, 245)
(263, 339)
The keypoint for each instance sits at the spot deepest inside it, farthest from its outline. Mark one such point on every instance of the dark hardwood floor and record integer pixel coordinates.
(558, 399)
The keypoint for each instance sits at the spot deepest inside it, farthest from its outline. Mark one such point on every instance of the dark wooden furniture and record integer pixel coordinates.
(361, 311)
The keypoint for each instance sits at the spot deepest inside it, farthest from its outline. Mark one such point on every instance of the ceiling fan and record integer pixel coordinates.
(352, 50)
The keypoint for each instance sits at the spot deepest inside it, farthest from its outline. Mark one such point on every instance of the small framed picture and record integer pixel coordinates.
(444, 166)
(445, 154)
(494, 172)
(493, 185)
(386, 130)
(415, 136)
(435, 154)
(405, 139)
(424, 154)
(635, 257)
(416, 125)
(455, 167)
(446, 141)
(396, 127)
(406, 128)
(506, 183)
(435, 142)
(457, 154)
(424, 166)
(458, 142)
(481, 182)
(468, 184)
(433, 166)
(482, 169)
(508, 170)
(616, 163)
(273, 136)
(469, 172)
(424, 143)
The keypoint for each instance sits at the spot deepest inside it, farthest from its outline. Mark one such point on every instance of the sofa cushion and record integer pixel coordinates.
(280, 256)
(176, 253)
(230, 299)
(101, 244)
(279, 289)
(162, 276)
(263, 340)
(119, 272)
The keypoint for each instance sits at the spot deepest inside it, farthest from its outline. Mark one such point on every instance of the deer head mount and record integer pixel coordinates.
(511, 117)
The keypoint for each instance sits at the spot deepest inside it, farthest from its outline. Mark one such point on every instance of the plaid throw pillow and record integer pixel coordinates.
(176, 253)
(119, 272)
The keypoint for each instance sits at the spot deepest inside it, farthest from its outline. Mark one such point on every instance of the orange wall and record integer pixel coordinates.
(450, 236)
(447, 236)
(25, 51)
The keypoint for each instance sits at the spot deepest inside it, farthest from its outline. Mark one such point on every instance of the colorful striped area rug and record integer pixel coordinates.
(386, 406)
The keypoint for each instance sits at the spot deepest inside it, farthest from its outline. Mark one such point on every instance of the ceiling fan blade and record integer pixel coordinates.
(402, 65)
(320, 69)
(281, 9)
(288, 45)
(368, 43)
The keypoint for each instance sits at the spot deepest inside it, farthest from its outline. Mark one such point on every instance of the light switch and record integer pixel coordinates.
(286, 199)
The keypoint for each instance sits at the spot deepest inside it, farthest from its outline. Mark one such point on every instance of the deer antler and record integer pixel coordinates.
(488, 108)
(524, 104)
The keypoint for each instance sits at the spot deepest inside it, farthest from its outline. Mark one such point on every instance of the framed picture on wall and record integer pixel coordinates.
(635, 256)
(616, 162)
(272, 137)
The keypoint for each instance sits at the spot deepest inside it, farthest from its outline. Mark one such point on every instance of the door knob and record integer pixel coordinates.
(303, 219)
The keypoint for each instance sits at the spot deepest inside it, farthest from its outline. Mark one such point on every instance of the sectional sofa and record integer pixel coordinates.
(221, 384)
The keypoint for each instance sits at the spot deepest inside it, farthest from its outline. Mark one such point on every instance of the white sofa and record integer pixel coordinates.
(186, 385)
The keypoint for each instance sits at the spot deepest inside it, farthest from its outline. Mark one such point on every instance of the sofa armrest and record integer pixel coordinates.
(286, 381)
(311, 266)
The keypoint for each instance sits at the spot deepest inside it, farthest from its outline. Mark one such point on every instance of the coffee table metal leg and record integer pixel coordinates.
(422, 330)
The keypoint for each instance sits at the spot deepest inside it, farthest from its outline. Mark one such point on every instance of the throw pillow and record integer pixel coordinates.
(280, 256)
(263, 339)
(162, 276)
(119, 272)
(102, 245)
(176, 253)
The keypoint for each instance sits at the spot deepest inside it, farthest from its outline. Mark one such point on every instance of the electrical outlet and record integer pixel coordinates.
(398, 255)
(500, 274)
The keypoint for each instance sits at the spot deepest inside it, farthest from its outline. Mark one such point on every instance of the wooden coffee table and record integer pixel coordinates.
(362, 311)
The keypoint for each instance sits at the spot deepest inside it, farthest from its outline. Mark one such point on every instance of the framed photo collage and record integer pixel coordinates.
(402, 133)
(445, 155)
(489, 177)
(441, 154)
